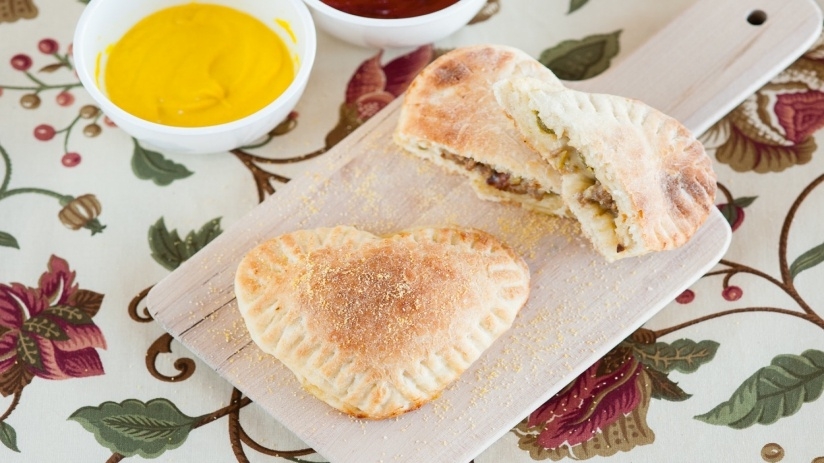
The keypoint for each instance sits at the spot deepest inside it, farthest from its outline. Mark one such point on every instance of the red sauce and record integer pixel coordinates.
(389, 9)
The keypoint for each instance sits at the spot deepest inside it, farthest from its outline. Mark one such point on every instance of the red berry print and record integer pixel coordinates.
(732, 293)
(44, 132)
(71, 159)
(686, 297)
(65, 98)
(21, 62)
(109, 122)
(48, 46)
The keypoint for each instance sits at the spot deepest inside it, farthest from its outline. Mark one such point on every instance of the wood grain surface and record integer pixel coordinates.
(695, 69)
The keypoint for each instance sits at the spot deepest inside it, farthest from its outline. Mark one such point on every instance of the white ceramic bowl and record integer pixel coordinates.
(394, 33)
(104, 22)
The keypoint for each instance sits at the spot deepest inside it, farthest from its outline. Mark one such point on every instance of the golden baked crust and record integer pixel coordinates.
(636, 179)
(377, 326)
(449, 109)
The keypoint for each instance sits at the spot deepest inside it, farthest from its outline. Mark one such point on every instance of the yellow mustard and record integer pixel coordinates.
(197, 65)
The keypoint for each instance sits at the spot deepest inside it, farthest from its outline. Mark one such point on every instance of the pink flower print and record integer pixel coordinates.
(48, 331)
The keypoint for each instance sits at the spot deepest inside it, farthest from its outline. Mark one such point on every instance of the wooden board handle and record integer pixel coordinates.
(711, 57)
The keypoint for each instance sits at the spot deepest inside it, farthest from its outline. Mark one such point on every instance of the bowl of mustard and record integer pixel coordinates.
(195, 77)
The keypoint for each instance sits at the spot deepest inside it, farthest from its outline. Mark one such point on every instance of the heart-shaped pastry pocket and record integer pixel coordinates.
(377, 326)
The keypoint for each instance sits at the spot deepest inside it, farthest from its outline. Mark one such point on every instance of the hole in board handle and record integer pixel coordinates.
(757, 17)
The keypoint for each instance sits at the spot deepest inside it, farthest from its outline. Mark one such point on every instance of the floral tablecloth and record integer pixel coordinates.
(732, 370)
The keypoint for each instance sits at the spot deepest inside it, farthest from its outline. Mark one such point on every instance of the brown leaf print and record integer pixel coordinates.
(664, 388)
(14, 380)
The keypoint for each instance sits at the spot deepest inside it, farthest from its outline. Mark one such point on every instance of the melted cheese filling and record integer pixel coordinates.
(582, 186)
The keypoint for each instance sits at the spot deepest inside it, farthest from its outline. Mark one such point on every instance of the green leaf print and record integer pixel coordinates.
(8, 436)
(807, 260)
(28, 352)
(151, 165)
(8, 241)
(581, 59)
(575, 4)
(44, 327)
(73, 315)
(773, 392)
(684, 355)
(136, 428)
(195, 241)
(744, 201)
(169, 250)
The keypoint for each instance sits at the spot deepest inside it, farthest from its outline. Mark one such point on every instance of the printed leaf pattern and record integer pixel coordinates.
(28, 352)
(683, 355)
(169, 250)
(744, 201)
(664, 388)
(8, 436)
(151, 165)
(51, 67)
(807, 260)
(69, 314)
(582, 59)
(45, 328)
(87, 301)
(575, 4)
(14, 379)
(133, 427)
(8, 241)
(773, 392)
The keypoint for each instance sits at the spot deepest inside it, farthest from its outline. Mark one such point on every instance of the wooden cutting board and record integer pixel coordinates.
(695, 69)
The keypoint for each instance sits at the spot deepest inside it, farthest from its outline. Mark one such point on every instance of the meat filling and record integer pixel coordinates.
(500, 180)
(599, 195)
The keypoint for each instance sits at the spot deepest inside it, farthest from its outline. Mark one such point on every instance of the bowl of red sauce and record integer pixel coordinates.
(393, 23)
